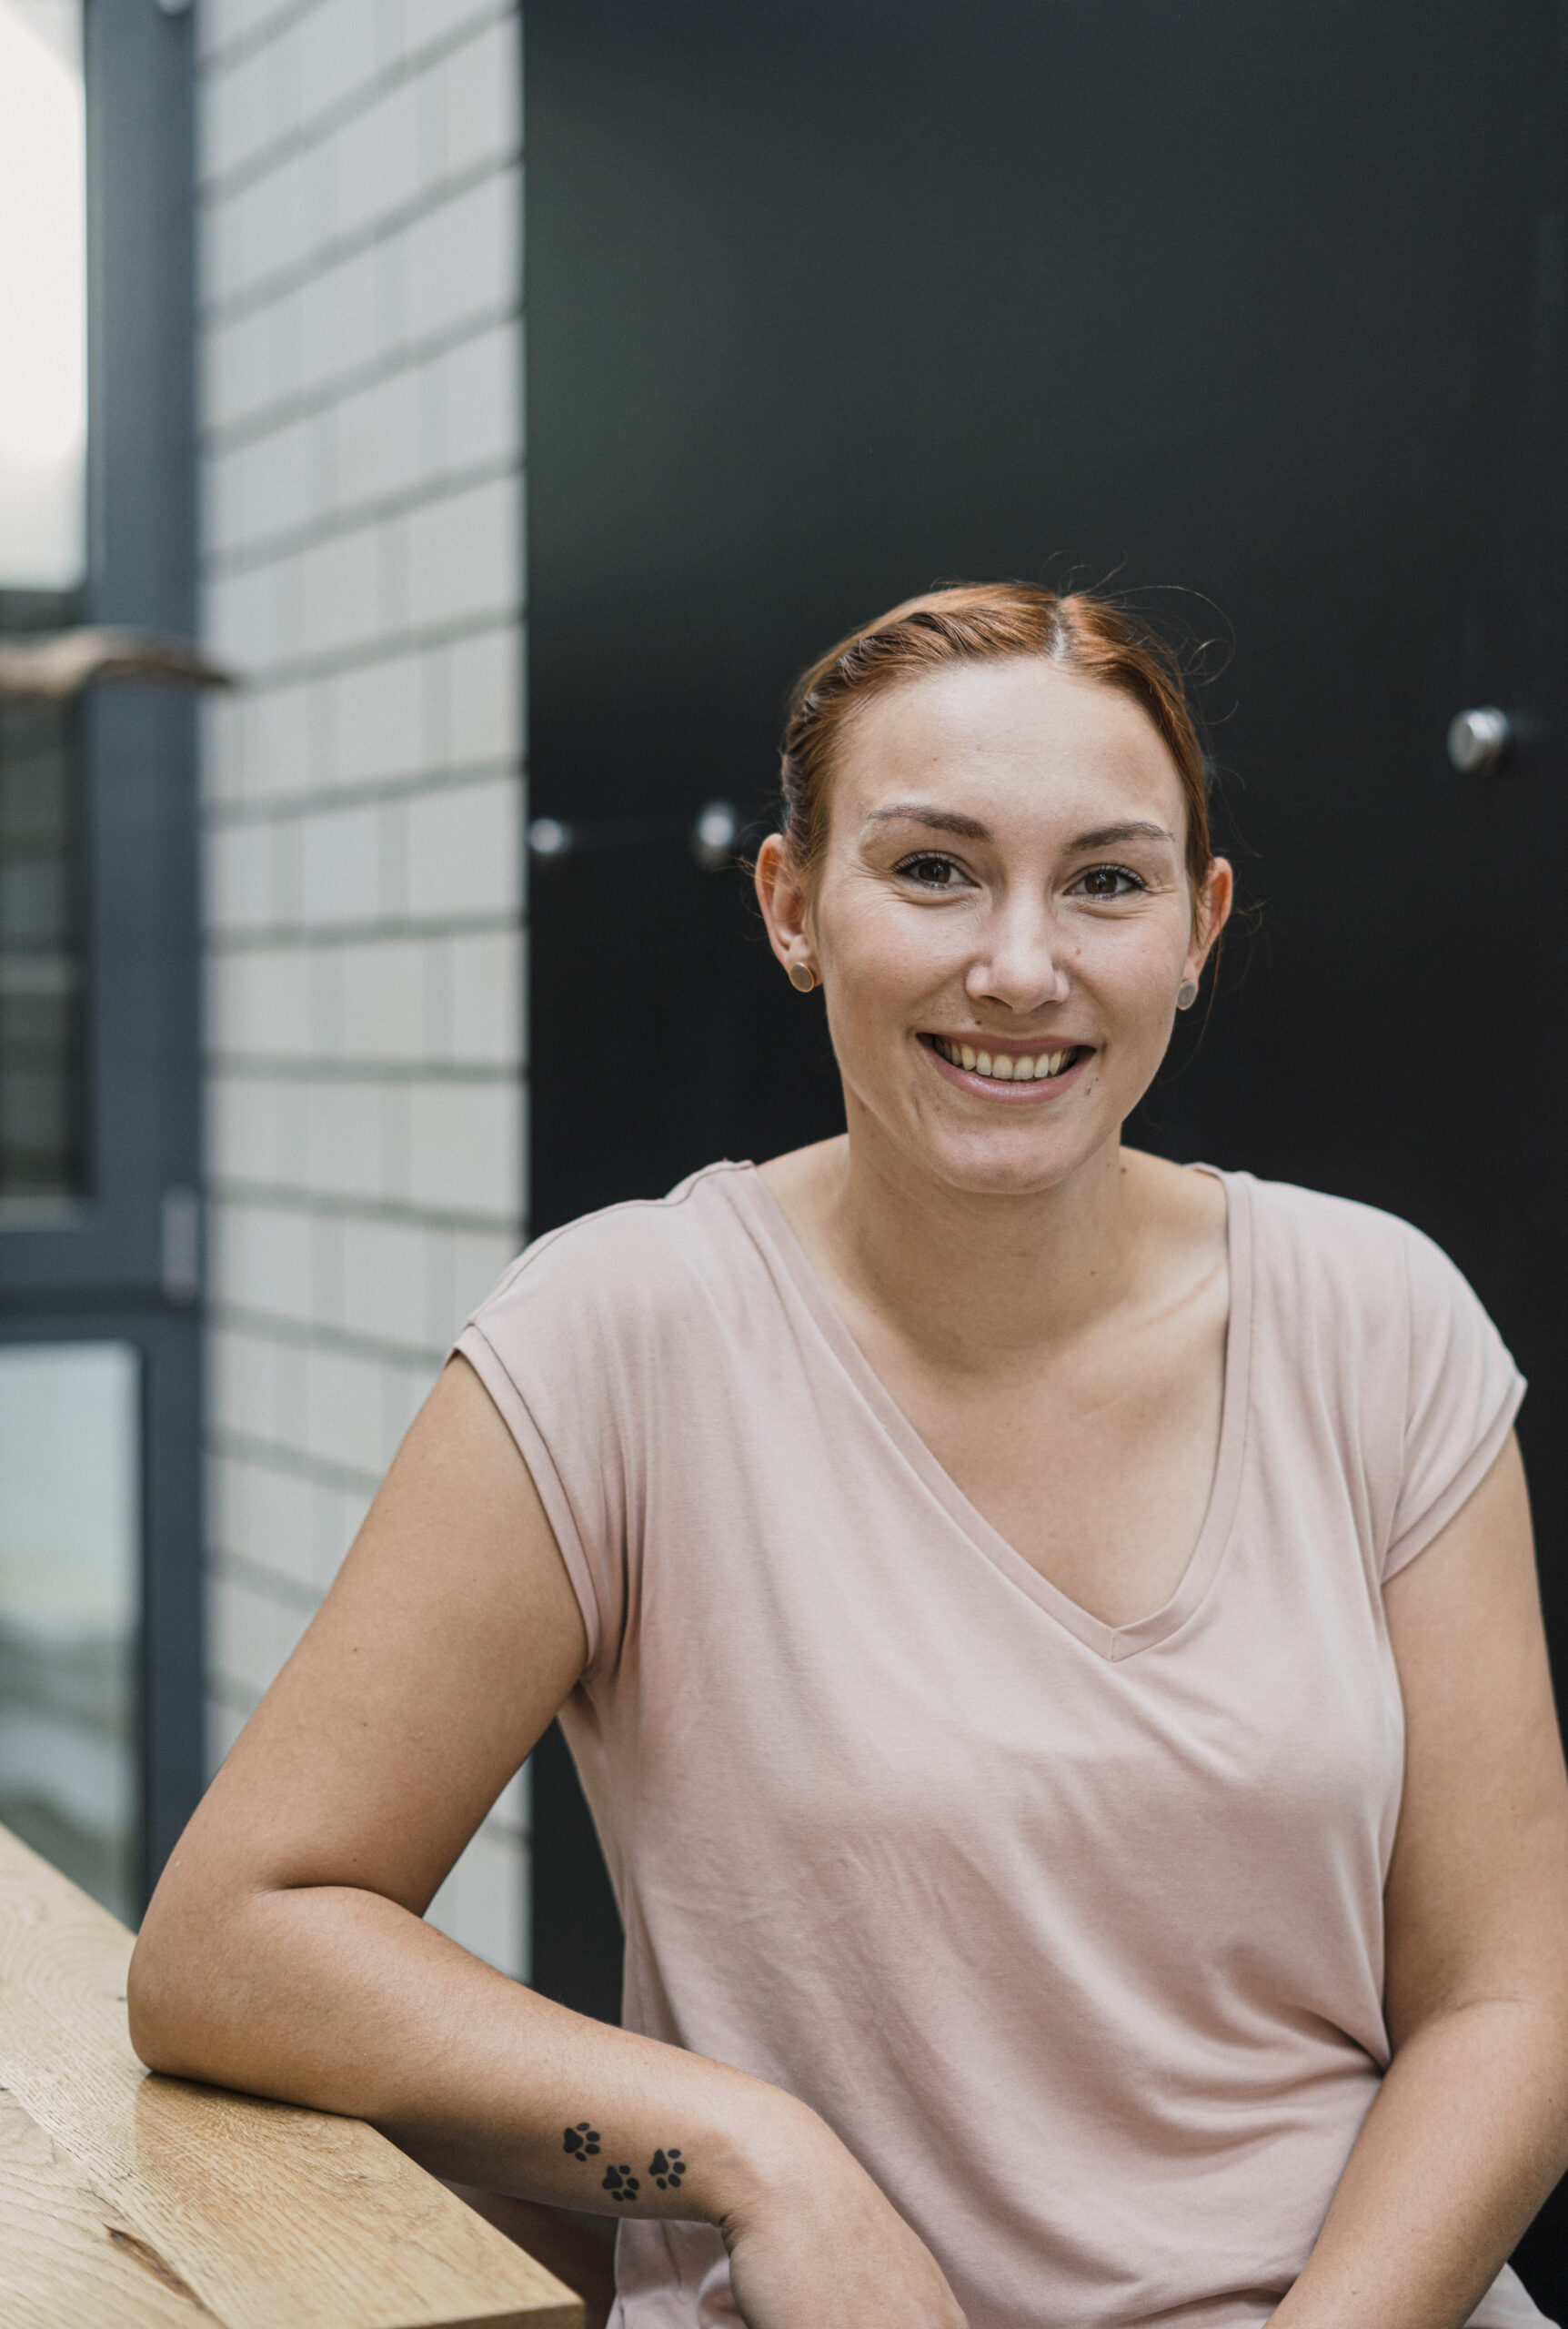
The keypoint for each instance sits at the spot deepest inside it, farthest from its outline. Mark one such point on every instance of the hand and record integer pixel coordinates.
(817, 2246)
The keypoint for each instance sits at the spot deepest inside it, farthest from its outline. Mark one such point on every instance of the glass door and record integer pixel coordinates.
(70, 1609)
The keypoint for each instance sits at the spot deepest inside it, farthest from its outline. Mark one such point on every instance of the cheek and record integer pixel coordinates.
(1138, 961)
(880, 949)
(884, 971)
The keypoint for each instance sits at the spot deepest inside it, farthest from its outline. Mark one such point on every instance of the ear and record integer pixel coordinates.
(786, 907)
(1211, 913)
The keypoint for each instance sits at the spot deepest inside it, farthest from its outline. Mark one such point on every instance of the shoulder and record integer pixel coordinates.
(1370, 1340)
(1390, 1315)
(1340, 1250)
(632, 1265)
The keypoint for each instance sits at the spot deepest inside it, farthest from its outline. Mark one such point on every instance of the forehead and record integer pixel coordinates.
(1021, 732)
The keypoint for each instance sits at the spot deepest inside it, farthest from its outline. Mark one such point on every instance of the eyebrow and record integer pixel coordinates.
(947, 821)
(941, 821)
(1135, 829)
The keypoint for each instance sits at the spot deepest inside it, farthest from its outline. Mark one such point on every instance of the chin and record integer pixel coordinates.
(985, 1166)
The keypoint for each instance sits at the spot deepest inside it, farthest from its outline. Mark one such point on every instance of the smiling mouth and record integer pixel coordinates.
(1007, 1067)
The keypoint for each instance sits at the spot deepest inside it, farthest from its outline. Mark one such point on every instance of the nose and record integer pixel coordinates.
(1019, 962)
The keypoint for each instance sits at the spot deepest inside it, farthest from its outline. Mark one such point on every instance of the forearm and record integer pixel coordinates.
(1467, 2136)
(343, 2001)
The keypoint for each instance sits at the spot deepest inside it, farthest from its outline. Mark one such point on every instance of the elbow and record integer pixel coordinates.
(158, 2004)
(179, 2002)
(208, 1994)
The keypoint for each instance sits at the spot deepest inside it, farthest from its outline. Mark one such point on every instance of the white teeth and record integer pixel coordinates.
(1003, 1066)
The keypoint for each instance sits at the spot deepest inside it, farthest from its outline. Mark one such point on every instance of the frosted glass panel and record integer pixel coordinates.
(43, 297)
(70, 1607)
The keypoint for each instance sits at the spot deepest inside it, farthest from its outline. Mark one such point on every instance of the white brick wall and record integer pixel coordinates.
(360, 348)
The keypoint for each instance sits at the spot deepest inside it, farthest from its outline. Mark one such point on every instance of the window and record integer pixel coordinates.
(43, 560)
(42, 297)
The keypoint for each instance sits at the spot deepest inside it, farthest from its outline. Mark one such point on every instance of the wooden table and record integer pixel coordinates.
(129, 2201)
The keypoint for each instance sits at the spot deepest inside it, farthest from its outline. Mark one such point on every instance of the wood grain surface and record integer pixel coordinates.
(268, 2216)
(65, 2254)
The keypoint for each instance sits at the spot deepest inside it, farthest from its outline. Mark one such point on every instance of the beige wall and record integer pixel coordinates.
(360, 212)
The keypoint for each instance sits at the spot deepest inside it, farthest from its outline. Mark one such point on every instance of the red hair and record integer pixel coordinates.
(980, 622)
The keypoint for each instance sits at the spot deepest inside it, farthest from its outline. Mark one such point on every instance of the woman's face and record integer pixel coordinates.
(1002, 918)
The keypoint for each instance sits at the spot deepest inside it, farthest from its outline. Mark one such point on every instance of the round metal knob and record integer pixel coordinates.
(1478, 740)
(547, 837)
(714, 835)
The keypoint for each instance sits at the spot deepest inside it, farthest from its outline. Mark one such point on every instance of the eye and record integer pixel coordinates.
(1109, 882)
(932, 871)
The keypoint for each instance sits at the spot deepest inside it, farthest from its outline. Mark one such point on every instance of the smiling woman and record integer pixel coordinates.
(1049, 1637)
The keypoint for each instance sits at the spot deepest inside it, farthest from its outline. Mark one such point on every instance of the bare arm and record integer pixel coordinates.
(284, 1951)
(1470, 2129)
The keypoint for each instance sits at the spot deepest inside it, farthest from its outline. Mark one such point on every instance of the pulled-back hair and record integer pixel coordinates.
(982, 622)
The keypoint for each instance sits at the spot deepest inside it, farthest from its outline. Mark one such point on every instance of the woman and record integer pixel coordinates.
(1049, 1638)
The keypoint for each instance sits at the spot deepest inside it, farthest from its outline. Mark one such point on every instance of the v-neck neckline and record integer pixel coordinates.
(1113, 1643)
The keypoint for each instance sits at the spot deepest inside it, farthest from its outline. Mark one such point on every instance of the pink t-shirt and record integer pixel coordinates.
(1073, 1932)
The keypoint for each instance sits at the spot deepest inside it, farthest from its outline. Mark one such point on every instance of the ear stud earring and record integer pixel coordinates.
(1186, 994)
(802, 977)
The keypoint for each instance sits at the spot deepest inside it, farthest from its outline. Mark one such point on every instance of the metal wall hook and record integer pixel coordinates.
(57, 665)
(549, 837)
(1479, 740)
(711, 836)
(714, 835)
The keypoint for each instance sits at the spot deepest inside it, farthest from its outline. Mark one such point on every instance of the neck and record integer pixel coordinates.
(976, 1277)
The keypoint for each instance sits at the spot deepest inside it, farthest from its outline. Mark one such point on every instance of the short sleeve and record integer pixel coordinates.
(1462, 1392)
(599, 1347)
(554, 1363)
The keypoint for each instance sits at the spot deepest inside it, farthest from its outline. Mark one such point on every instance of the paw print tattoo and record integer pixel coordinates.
(667, 2168)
